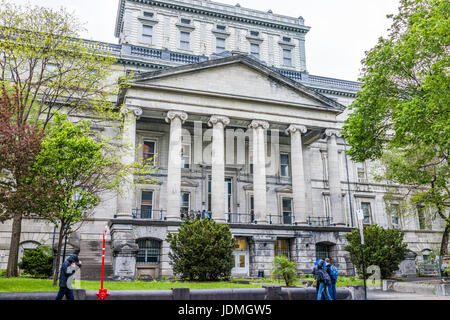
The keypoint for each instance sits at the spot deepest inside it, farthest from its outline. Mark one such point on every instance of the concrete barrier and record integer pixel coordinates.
(267, 293)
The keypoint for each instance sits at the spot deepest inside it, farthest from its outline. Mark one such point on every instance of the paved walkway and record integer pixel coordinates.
(376, 294)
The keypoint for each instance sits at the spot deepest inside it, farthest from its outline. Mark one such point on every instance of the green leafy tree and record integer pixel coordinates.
(48, 69)
(401, 115)
(38, 262)
(202, 250)
(73, 169)
(382, 247)
(283, 268)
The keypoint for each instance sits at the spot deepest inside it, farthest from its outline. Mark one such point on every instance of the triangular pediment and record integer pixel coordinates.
(238, 77)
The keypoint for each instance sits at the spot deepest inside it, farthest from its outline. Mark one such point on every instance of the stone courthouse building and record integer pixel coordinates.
(237, 127)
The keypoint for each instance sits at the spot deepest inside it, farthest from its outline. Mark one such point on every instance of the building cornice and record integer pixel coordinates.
(215, 12)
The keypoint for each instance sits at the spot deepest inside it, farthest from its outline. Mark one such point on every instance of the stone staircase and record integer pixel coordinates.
(91, 257)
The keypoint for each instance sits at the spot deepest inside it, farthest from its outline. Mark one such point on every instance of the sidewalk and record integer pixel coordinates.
(376, 294)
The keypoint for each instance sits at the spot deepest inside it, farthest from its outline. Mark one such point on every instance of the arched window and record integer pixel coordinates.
(322, 251)
(149, 251)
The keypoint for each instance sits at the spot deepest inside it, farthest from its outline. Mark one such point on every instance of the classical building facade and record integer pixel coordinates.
(238, 131)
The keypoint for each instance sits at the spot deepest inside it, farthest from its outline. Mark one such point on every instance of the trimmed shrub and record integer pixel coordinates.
(37, 262)
(202, 250)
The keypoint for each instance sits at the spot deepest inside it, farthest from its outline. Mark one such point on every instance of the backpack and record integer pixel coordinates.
(334, 272)
(326, 277)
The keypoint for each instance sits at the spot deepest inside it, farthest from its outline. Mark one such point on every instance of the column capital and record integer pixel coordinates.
(258, 123)
(134, 110)
(333, 132)
(218, 118)
(172, 114)
(296, 127)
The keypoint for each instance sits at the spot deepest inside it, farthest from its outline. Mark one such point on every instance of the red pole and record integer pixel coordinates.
(103, 293)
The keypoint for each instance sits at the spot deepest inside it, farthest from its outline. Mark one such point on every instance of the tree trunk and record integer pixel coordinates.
(444, 242)
(58, 255)
(12, 270)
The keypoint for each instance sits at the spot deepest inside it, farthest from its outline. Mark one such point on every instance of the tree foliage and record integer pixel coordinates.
(202, 250)
(285, 269)
(401, 114)
(382, 247)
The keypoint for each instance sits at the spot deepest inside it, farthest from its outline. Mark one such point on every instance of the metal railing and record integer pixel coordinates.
(139, 213)
(243, 218)
(194, 214)
(320, 221)
(281, 219)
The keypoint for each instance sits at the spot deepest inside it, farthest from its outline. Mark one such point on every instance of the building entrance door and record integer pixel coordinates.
(241, 258)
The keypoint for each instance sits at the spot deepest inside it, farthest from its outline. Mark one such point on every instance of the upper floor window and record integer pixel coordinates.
(254, 33)
(395, 215)
(185, 198)
(220, 45)
(286, 39)
(185, 21)
(284, 164)
(147, 34)
(287, 211)
(252, 209)
(148, 14)
(254, 49)
(287, 57)
(149, 151)
(221, 27)
(185, 40)
(146, 204)
(185, 155)
(365, 207)
(361, 171)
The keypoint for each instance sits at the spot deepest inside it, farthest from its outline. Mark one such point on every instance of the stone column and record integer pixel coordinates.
(259, 170)
(176, 119)
(218, 167)
(334, 180)
(298, 174)
(125, 200)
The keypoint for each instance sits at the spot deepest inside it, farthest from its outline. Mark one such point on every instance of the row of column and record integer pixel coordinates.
(218, 123)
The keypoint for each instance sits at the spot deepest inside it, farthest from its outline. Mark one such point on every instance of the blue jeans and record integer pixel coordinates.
(332, 289)
(323, 289)
(64, 291)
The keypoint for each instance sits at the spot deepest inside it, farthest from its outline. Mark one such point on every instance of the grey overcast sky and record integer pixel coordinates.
(341, 30)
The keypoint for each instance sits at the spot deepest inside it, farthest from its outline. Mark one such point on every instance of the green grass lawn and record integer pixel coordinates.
(29, 285)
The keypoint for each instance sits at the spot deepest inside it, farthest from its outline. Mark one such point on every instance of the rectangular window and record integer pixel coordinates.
(254, 49)
(361, 171)
(395, 214)
(220, 45)
(184, 203)
(282, 248)
(228, 195)
(287, 57)
(186, 155)
(146, 204)
(365, 206)
(148, 14)
(220, 27)
(149, 251)
(185, 21)
(284, 164)
(287, 211)
(147, 33)
(286, 39)
(149, 151)
(254, 33)
(241, 244)
(185, 40)
(252, 209)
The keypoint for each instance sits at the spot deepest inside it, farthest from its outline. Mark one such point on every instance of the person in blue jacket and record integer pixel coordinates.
(63, 275)
(323, 281)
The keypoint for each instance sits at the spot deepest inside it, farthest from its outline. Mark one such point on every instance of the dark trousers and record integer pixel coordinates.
(64, 291)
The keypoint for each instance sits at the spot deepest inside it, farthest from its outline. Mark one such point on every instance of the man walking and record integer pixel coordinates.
(323, 281)
(64, 274)
(333, 272)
